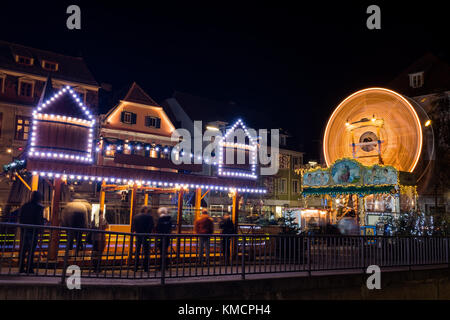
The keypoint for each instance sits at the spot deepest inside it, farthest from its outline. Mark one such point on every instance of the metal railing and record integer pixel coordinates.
(48, 251)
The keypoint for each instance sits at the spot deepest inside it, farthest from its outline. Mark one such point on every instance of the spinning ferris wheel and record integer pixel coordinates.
(375, 126)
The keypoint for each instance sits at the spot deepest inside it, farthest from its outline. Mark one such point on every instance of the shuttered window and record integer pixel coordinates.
(128, 117)
(153, 122)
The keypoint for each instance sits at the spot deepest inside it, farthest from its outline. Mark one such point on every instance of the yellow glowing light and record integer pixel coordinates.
(427, 123)
(9, 150)
(212, 128)
(369, 99)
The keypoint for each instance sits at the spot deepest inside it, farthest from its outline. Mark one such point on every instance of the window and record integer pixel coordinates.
(416, 80)
(22, 127)
(110, 150)
(153, 122)
(2, 83)
(282, 186)
(49, 66)
(128, 117)
(284, 161)
(26, 88)
(296, 162)
(295, 186)
(282, 140)
(24, 60)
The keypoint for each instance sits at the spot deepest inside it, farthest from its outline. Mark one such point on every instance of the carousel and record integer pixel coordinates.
(373, 147)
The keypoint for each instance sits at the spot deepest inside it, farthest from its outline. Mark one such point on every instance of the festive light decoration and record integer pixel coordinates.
(252, 150)
(40, 116)
(155, 183)
(400, 122)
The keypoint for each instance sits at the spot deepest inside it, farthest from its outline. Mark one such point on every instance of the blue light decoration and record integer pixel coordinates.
(252, 147)
(39, 116)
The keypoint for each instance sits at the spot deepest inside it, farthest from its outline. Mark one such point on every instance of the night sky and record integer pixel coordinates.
(284, 65)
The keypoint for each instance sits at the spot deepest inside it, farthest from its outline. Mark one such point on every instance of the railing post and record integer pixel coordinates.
(409, 252)
(362, 254)
(163, 260)
(64, 271)
(243, 258)
(309, 255)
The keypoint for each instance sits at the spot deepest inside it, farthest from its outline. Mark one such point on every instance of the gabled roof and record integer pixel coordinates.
(138, 95)
(436, 77)
(64, 103)
(73, 69)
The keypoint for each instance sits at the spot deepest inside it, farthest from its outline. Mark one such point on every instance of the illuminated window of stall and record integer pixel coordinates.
(153, 153)
(139, 150)
(127, 148)
(110, 150)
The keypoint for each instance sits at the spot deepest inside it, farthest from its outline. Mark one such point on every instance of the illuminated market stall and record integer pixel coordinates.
(61, 151)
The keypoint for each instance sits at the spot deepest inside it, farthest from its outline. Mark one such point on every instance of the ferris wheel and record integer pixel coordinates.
(375, 126)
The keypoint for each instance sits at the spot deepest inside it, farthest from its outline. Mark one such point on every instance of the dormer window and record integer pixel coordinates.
(153, 122)
(49, 66)
(416, 80)
(24, 60)
(128, 117)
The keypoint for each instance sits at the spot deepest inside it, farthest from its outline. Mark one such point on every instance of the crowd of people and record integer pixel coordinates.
(143, 225)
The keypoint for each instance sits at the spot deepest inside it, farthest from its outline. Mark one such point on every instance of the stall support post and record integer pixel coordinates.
(34, 182)
(102, 199)
(235, 211)
(133, 203)
(180, 211)
(179, 221)
(53, 249)
(234, 218)
(198, 201)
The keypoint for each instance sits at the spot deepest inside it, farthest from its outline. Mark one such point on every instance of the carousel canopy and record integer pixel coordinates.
(348, 176)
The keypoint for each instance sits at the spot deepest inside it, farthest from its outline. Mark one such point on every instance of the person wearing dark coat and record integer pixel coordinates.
(32, 213)
(204, 226)
(142, 223)
(164, 226)
(227, 227)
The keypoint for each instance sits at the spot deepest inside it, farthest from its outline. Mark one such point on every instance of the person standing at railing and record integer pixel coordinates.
(31, 212)
(142, 223)
(227, 227)
(164, 226)
(204, 226)
(99, 242)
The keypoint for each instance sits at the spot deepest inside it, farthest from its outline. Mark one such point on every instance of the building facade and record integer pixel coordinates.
(427, 83)
(23, 73)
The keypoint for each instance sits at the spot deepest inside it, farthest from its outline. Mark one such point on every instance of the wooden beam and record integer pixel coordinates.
(133, 203)
(198, 202)
(235, 210)
(34, 182)
(54, 220)
(180, 211)
(23, 181)
(102, 199)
